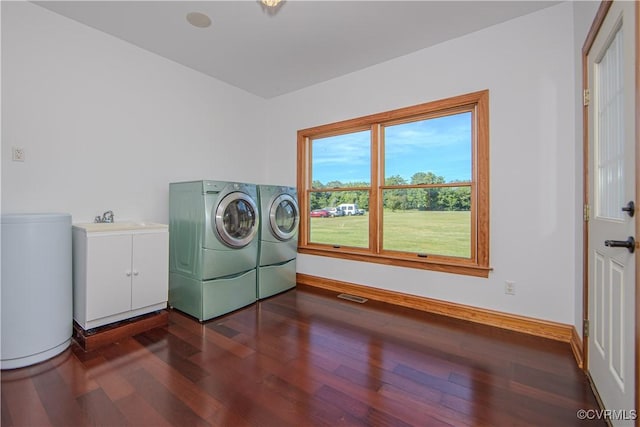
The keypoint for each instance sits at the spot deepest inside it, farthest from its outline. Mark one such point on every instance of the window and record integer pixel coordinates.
(415, 181)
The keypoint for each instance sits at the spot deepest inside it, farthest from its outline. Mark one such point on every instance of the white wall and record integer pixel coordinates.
(107, 125)
(528, 66)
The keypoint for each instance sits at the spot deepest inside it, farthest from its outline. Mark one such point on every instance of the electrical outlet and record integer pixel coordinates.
(510, 287)
(17, 154)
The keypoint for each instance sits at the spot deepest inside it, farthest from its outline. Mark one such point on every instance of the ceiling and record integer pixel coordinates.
(301, 43)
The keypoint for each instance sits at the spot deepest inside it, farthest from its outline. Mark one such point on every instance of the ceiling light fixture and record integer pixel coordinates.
(198, 19)
(270, 3)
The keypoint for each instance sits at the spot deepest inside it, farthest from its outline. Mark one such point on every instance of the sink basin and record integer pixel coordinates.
(120, 226)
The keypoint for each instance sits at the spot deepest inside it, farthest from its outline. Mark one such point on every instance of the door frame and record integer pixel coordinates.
(595, 27)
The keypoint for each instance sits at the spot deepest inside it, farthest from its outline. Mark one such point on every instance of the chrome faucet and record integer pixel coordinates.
(106, 217)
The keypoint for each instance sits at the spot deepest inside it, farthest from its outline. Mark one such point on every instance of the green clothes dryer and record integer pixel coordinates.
(280, 217)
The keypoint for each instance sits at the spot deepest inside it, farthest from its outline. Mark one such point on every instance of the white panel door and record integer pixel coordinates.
(150, 269)
(108, 275)
(612, 184)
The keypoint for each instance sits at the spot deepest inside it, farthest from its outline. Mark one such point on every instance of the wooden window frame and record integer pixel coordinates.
(478, 264)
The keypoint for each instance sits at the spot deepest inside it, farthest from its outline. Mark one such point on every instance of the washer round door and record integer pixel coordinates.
(236, 220)
(284, 217)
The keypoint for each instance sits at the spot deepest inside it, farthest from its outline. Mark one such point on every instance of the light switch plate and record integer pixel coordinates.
(510, 287)
(17, 154)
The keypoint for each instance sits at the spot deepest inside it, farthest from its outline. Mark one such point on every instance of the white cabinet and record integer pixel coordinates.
(120, 271)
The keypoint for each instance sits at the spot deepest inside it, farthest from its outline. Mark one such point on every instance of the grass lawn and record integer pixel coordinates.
(437, 233)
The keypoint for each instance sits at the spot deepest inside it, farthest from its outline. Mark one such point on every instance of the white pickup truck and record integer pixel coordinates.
(351, 209)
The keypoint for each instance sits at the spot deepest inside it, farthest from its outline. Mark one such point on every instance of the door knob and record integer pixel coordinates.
(630, 208)
(630, 244)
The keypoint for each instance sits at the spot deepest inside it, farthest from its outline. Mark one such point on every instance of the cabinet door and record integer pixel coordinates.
(108, 275)
(150, 269)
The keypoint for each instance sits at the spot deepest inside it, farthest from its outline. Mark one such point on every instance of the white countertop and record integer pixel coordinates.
(101, 227)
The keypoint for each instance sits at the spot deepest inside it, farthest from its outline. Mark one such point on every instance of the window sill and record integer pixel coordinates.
(423, 264)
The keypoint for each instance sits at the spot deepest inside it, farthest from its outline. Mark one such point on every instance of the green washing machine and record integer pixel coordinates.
(213, 247)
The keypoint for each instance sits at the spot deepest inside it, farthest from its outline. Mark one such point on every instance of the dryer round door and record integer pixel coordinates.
(284, 217)
(236, 220)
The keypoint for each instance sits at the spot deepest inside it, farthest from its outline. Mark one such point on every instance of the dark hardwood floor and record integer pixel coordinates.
(306, 358)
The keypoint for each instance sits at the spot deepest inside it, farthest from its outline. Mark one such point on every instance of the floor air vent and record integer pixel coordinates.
(353, 298)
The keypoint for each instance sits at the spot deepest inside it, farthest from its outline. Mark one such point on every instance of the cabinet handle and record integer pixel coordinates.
(128, 274)
(135, 273)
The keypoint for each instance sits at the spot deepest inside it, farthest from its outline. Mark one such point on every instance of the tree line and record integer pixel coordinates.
(432, 199)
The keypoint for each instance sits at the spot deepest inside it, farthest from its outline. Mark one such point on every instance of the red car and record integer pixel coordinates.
(319, 213)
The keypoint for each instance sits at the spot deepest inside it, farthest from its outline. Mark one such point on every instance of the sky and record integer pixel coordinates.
(440, 145)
